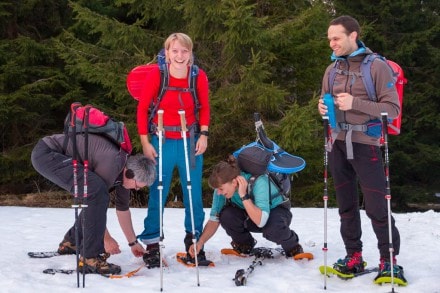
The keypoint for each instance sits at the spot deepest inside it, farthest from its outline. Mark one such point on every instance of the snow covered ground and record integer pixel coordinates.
(41, 229)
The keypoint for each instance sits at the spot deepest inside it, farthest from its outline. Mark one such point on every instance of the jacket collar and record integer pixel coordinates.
(362, 49)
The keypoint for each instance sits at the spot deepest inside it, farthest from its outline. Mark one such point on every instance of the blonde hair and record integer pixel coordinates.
(184, 40)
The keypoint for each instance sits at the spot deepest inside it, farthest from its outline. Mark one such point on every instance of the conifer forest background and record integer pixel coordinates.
(265, 56)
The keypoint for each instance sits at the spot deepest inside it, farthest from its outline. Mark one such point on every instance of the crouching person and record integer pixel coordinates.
(110, 168)
(240, 214)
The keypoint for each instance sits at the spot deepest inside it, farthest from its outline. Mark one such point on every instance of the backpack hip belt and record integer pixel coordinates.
(349, 128)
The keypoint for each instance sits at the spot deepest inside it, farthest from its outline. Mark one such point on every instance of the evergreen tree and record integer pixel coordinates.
(408, 32)
(265, 56)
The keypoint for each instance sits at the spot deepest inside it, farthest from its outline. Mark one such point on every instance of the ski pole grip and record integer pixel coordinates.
(160, 120)
(330, 103)
(73, 107)
(384, 118)
(87, 109)
(325, 123)
(182, 120)
(384, 122)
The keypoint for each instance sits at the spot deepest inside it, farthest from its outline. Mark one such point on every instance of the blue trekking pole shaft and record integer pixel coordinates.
(75, 204)
(85, 186)
(160, 130)
(325, 196)
(388, 193)
(188, 185)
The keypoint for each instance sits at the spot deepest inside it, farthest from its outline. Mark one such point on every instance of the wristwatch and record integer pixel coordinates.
(245, 197)
(204, 132)
(133, 243)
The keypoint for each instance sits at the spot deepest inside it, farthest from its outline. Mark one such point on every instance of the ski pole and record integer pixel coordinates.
(388, 192)
(260, 254)
(160, 188)
(75, 204)
(85, 192)
(188, 185)
(325, 197)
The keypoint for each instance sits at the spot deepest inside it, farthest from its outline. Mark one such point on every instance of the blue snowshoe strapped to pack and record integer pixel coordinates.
(264, 156)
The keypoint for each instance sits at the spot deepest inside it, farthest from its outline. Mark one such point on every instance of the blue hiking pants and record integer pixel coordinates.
(174, 156)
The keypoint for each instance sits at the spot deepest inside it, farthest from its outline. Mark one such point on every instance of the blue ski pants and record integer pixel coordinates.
(174, 156)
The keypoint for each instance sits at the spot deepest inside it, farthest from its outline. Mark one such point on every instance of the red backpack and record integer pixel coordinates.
(136, 80)
(98, 123)
(400, 81)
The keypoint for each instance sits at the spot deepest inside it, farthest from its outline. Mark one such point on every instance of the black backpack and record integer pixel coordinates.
(264, 157)
(82, 119)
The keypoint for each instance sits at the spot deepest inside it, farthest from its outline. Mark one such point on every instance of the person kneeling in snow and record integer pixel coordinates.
(240, 214)
(109, 168)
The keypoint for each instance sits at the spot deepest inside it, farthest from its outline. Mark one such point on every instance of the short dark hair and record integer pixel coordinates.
(349, 23)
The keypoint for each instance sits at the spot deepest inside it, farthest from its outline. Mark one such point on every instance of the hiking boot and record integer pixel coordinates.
(98, 265)
(351, 264)
(188, 241)
(296, 250)
(201, 259)
(385, 270)
(243, 248)
(152, 256)
(66, 248)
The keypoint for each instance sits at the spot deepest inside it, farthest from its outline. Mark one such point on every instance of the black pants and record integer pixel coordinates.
(367, 167)
(239, 226)
(57, 168)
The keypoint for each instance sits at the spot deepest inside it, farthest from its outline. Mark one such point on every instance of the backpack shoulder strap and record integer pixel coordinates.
(164, 81)
(250, 187)
(332, 76)
(367, 79)
(270, 181)
(192, 81)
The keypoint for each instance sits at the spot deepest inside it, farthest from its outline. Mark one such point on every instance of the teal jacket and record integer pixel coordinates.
(260, 197)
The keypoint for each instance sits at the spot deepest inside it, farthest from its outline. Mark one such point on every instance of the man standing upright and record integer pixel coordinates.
(355, 154)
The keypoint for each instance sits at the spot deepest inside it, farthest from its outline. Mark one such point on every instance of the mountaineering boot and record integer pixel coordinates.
(66, 248)
(243, 248)
(296, 250)
(351, 264)
(152, 256)
(385, 272)
(98, 265)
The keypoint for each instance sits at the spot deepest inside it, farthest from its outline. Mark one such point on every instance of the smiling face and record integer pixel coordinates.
(178, 55)
(227, 189)
(340, 42)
